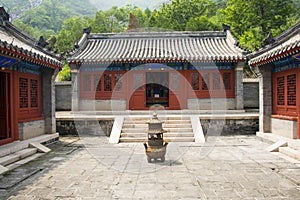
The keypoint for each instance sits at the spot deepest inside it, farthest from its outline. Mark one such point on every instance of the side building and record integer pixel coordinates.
(27, 73)
(278, 67)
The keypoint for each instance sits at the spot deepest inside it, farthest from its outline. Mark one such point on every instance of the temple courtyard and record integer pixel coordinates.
(88, 167)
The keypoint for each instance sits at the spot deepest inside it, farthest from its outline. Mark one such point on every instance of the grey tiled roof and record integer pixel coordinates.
(287, 43)
(157, 46)
(14, 42)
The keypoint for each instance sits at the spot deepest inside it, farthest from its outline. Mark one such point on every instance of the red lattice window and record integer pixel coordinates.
(107, 82)
(87, 82)
(101, 85)
(212, 83)
(285, 93)
(29, 97)
(195, 81)
(205, 81)
(34, 93)
(216, 81)
(227, 80)
(118, 82)
(291, 90)
(280, 90)
(23, 92)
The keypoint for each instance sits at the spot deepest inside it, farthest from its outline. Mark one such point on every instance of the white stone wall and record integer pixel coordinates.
(211, 104)
(91, 105)
(285, 128)
(31, 129)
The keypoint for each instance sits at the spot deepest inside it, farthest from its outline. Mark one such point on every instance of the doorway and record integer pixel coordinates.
(5, 107)
(157, 89)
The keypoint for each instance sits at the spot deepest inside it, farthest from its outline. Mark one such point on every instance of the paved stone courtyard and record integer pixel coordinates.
(225, 167)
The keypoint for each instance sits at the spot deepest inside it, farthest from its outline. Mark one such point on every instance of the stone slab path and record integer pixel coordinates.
(231, 167)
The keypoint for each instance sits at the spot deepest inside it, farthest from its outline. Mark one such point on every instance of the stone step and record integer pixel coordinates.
(130, 139)
(160, 118)
(290, 152)
(24, 161)
(134, 130)
(294, 144)
(134, 135)
(188, 125)
(166, 135)
(179, 139)
(167, 139)
(145, 130)
(179, 130)
(288, 158)
(19, 155)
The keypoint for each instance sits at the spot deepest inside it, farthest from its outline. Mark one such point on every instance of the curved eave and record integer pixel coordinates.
(78, 62)
(276, 55)
(21, 53)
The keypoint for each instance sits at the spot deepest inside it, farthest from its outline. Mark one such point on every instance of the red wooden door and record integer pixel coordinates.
(177, 90)
(137, 91)
(4, 106)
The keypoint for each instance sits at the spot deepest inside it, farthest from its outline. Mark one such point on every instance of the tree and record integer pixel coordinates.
(65, 73)
(201, 23)
(176, 14)
(251, 21)
(71, 32)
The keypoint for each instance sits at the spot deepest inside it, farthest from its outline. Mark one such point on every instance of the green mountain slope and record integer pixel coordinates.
(69, 8)
(105, 5)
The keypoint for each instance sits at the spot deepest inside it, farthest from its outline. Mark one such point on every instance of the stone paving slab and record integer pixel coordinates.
(225, 167)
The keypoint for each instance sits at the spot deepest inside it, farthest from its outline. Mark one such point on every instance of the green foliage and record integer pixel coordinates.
(176, 14)
(51, 14)
(70, 33)
(251, 21)
(14, 6)
(65, 73)
(201, 23)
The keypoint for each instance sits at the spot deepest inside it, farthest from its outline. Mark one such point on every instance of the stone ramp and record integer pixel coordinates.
(18, 153)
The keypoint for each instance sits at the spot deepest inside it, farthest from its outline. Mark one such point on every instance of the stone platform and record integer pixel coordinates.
(203, 122)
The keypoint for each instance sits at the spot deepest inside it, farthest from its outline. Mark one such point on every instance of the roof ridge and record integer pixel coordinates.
(157, 34)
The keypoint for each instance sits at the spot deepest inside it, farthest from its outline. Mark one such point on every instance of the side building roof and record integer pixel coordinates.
(216, 46)
(16, 44)
(286, 44)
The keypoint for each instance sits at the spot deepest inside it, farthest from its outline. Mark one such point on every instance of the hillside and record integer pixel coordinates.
(105, 5)
(69, 8)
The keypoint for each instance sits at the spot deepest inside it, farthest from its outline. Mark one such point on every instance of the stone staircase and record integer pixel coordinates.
(18, 153)
(178, 129)
(286, 148)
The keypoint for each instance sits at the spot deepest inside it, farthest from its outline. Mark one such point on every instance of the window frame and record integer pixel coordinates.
(213, 92)
(101, 94)
(285, 109)
(29, 113)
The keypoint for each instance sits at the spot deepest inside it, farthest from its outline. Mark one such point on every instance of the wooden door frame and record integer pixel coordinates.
(157, 71)
(183, 90)
(182, 97)
(13, 124)
(131, 90)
